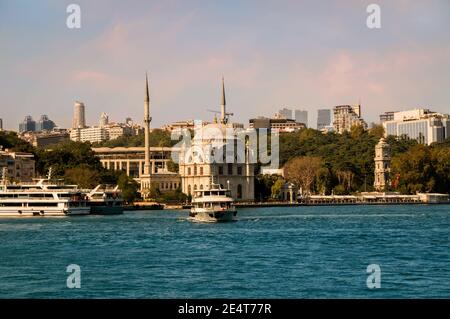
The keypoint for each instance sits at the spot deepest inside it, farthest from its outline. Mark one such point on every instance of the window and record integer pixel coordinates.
(201, 170)
(189, 171)
(195, 187)
(220, 170)
(195, 169)
(230, 169)
(239, 170)
(201, 186)
(239, 191)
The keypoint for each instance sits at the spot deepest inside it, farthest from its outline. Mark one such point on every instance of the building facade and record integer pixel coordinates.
(211, 159)
(45, 124)
(79, 118)
(279, 124)
(323, 119)
(301, 116)
(27, 125)
(387, 116)
(19, 166)
(42, 139)
(346, 116)
(382, 165)
(420, 124)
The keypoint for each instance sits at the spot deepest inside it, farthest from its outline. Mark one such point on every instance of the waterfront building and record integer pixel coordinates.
(27, 125)
(20, 166)
(131, 160)
(301, 116)
(422, 125)
(323, 119)
(45, 138)
(279, 124)
(382, 165)
(387, 116)
(200, 166)
(79, 119)
(45, 124)
(345, 116)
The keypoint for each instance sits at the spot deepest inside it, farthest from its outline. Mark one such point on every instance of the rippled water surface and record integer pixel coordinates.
(295, 252)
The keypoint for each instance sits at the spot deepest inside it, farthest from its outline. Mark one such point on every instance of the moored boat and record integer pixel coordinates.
(104, 201)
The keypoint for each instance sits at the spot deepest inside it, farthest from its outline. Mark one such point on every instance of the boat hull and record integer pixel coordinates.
(213, 216)
(106, 210)
(43, 211)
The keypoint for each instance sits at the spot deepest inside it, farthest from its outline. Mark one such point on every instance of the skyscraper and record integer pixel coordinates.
(28, 125)
(323, 118)
(285, 113)
(1, 125)
(45, 124)
(79, 120)
(301, 116)
(104, 119)
(345, 116)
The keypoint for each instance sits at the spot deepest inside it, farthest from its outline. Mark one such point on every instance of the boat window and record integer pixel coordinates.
(207, 193)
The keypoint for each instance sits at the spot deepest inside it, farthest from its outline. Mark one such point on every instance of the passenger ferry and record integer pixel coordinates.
(213, 205)
(105, 201)
(42, 199)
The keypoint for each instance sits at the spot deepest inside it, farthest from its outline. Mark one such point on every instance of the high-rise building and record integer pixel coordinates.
(345, 116)
(1, 125)
(79, 120)
(323, 118)
(301, 116)
(45, 124)
(382, 165)
(28, 125)
(420, 124)
(285, 114)
(278, 124)
(104, 119)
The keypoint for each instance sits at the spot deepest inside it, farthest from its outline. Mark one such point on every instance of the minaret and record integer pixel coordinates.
(223, 104)
(147, 120)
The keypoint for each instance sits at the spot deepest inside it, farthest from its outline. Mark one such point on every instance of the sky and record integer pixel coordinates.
(273, 54)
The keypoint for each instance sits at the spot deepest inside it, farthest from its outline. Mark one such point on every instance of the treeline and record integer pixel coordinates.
(158, 137)
(344, 163)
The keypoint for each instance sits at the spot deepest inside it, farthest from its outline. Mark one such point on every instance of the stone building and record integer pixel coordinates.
(213, 157)
(382, 165)
(19, 166)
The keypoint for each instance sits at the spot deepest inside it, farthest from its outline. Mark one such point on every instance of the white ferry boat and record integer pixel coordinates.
(105, 201)
(213, 205)
(42, 199)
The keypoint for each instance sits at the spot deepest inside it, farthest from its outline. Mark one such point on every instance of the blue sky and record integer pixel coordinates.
(273, 54)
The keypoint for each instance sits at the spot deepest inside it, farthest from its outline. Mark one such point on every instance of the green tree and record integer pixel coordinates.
(83, 176)
(129, 188)
(276, 187)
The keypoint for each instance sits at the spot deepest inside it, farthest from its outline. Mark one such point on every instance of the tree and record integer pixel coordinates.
(83, 176)
(276, 187)
(129, 188)
(302, 171)
(377, 131)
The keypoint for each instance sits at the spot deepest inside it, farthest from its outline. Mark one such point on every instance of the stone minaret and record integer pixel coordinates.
(382, 165)
(147, 120)
(223, 104)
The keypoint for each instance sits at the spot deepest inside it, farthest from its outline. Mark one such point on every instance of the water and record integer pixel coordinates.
(296, 252)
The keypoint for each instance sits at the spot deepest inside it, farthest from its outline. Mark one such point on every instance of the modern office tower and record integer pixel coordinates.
(301, 116)
(382, 165)
(1, 125)
(387, 116)
(345, 116)
(104, 120)
(323, 118)
(28, 125)
(420, 124)
(79, 120)
(45, 124)
(285, 113)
